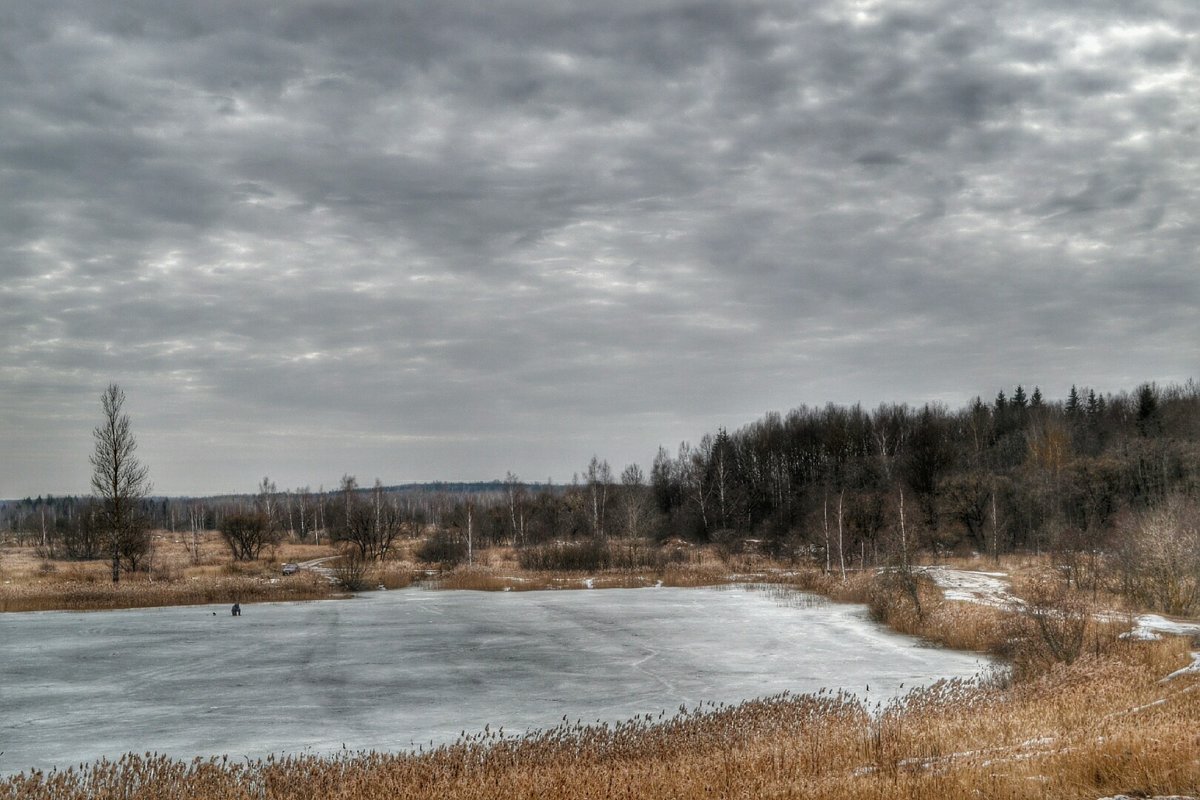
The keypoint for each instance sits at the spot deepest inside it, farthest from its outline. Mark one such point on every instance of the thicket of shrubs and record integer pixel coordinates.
(590, 555)
(1157, 558)
(444, 547)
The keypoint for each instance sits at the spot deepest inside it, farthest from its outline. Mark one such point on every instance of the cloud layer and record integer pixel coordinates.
(444, 240)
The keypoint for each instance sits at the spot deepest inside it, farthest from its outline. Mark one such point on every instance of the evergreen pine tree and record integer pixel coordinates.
(1018, 399)
(1148, 421)
(1073, 402)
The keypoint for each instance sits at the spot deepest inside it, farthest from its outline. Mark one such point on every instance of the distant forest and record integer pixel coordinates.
(1017, 472)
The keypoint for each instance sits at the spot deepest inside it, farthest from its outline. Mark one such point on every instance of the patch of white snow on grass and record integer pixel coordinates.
(985, 588)
(1191, 669)
(988, 588)
(1152, 626)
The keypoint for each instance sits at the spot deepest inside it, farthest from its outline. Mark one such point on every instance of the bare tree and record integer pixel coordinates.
(635, 501)
(841, 539)
(470, 543)
(303, 498)
(267, 501)
(119, 481)
(514, 492)
(691, 465)
(825, 529)
(721, 459)
(599, 478)
(371, 525)
(197, 515)
(1158, 556)
(247, 534)
(901, 573)
(84, 537)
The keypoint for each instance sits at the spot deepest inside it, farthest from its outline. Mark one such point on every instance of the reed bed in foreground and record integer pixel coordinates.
(1097, 727)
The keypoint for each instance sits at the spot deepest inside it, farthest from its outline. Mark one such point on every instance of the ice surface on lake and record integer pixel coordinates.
(393, 670)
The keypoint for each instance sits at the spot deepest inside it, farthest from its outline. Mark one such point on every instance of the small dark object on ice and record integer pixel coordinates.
(237, 609)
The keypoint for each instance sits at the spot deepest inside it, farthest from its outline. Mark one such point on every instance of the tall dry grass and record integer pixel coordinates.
(491, 579)
(175, 574)
(140, 592)
(503, 572)
(1100, 726)
(392, 575)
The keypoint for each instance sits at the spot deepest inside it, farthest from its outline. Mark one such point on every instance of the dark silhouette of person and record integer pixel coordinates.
(237, 609)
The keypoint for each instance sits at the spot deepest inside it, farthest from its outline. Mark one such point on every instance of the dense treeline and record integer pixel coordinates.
(1015, 473)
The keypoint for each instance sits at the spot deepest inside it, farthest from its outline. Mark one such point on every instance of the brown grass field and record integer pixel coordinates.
(174, 577)
(177, 577)
(1110, 722)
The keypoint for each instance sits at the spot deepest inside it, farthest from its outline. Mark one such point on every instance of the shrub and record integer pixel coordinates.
(351, 569)
(587, 555)
(639, 554)
(591, 555)
(901, 599)
(1055, 626)
(442, 548)
(1159, 557)
(247, 534)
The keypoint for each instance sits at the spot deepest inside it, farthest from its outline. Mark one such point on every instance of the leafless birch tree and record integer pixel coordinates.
(119, 482)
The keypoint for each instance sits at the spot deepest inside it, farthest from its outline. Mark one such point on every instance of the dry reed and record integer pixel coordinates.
(1097, 727)
(139, 592)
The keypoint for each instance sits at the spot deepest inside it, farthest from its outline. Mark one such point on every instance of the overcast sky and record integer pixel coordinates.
(443, 240)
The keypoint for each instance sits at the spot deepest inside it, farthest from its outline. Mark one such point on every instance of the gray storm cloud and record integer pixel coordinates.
(445, 240)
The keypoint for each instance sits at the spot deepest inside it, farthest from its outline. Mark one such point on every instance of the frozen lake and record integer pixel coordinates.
(391, 670)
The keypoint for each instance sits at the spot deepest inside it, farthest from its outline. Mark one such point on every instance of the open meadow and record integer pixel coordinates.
(177, 573)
